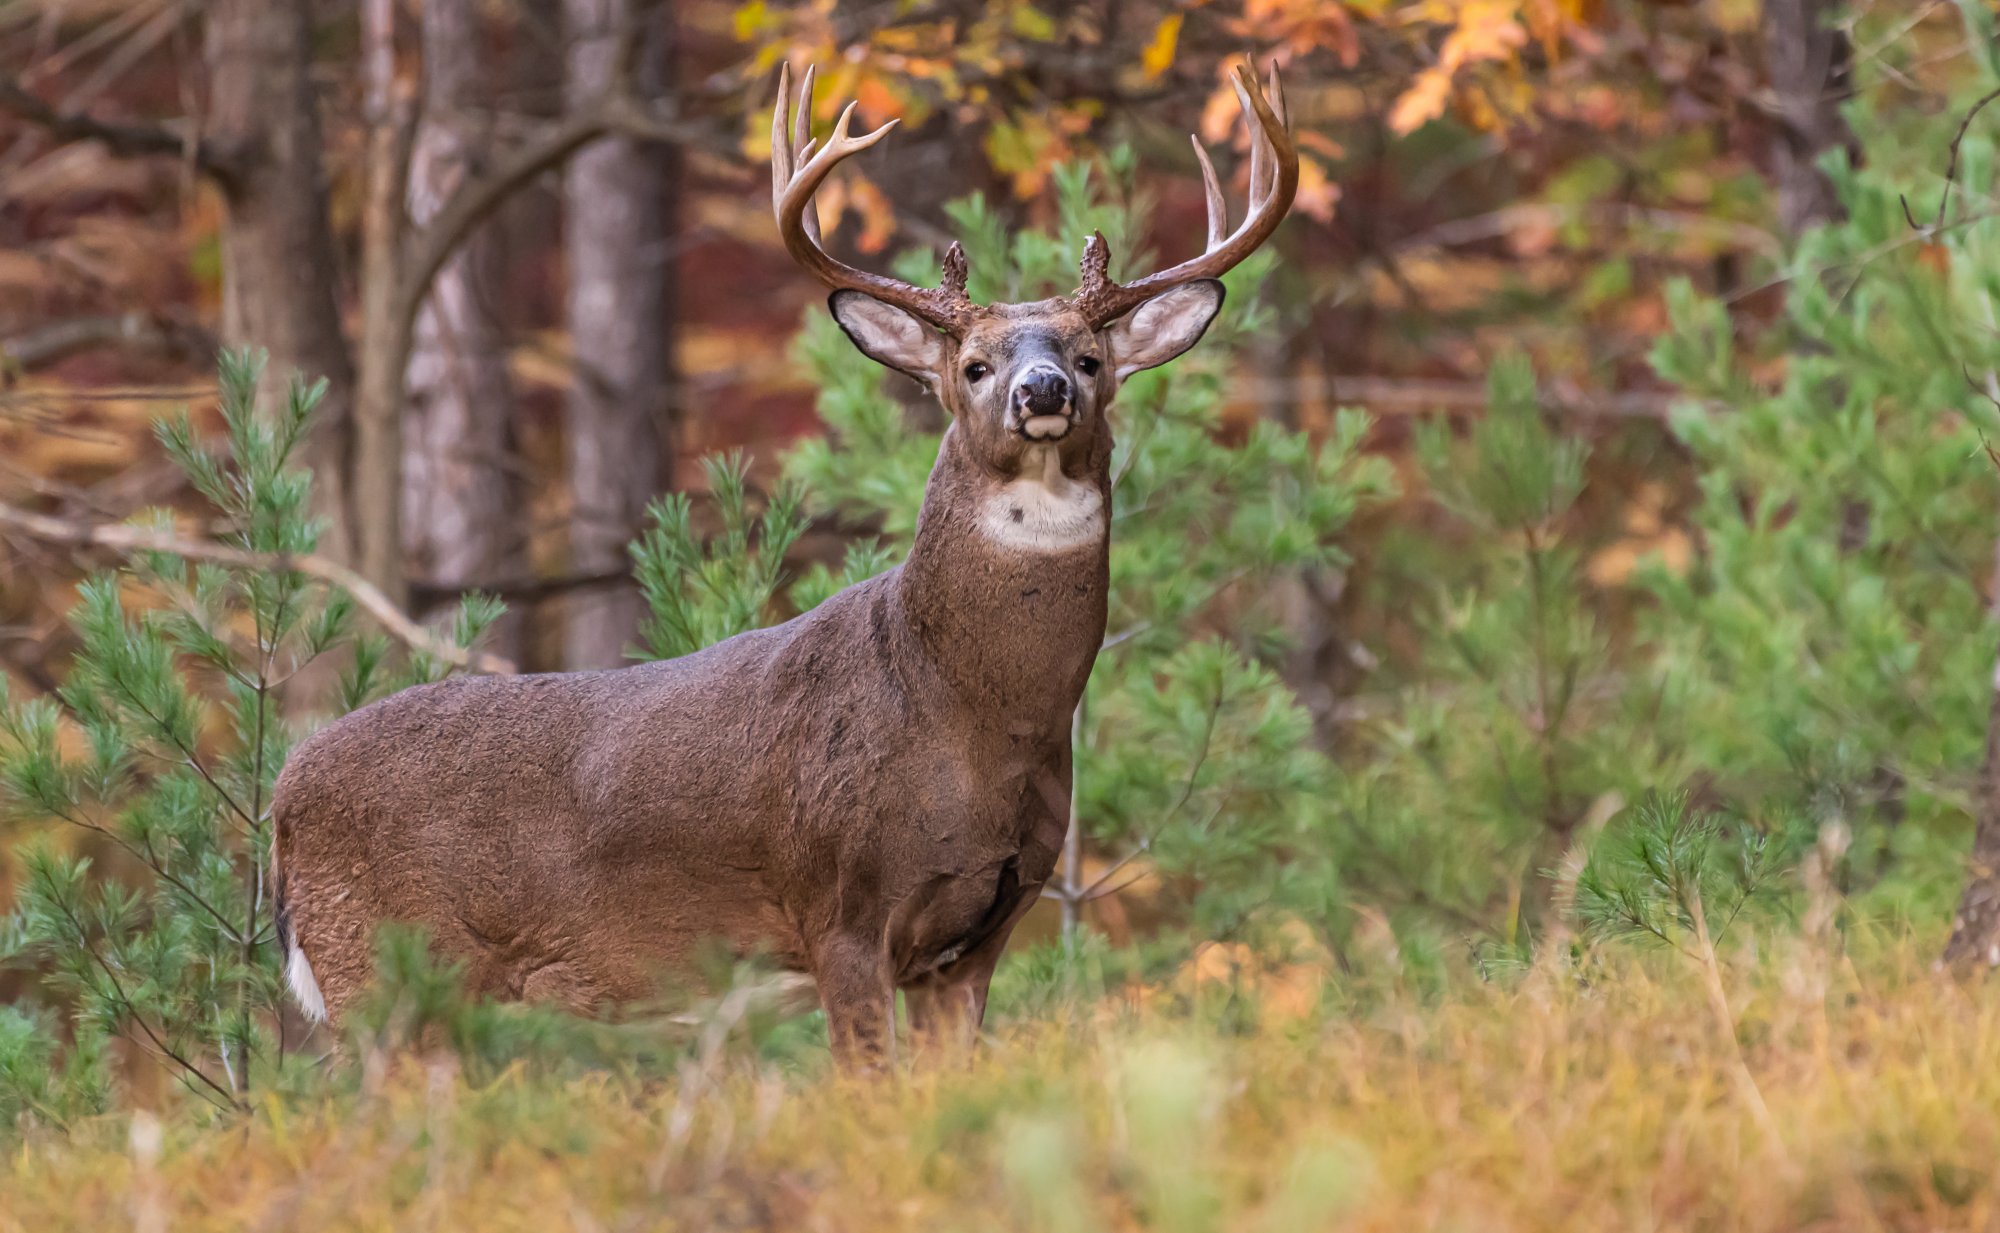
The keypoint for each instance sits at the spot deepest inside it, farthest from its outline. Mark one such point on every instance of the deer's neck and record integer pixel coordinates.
(1005, 587)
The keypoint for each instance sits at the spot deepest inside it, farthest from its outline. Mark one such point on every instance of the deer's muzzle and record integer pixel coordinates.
(1042, 408)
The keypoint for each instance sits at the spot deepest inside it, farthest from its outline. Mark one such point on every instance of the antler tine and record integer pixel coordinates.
(810, 219)
(1259, 160)
(799, 165)
(781, 146)
(802, 118)
(1218, 209)
(1274, 181)
(803, 143)
(1274, 95)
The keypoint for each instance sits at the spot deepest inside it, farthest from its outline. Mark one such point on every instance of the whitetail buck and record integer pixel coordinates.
(873, 792)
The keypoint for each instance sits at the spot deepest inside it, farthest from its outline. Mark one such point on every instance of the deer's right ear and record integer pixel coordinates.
(890, 336)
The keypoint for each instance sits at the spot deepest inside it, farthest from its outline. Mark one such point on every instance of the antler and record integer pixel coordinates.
(797, 171)
(1274, 179)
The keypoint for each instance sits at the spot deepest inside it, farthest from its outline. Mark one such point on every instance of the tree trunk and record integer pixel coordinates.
(618, 233)
(277, 246)
(1807, 60)
(460, 509)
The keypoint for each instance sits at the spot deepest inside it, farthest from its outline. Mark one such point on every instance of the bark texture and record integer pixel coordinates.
(461, 525)
(618, 237)
(277, 246)
(1806, 57)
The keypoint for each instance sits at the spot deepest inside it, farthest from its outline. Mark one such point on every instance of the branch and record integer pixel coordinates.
(129, 540)
(130, 140)
(1423, 395)
(431, 246)
(1950, 168)
(59, 340)
(425, 592)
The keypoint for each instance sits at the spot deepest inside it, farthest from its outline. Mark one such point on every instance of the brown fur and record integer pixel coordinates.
(873, 792)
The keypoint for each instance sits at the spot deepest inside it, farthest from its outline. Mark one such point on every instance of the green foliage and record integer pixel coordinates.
(146, 783)
(1515, 731)
(698, 592)
(1831, 653)
(39, 1081)
(1668, 872)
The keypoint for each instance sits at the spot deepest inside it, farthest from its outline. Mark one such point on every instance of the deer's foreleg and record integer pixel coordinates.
(859, 996)
(948, 1006)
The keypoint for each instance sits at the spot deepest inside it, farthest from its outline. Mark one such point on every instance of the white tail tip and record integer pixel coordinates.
(305, 988)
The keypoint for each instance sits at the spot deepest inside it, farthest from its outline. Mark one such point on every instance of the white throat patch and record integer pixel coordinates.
(1044, 510)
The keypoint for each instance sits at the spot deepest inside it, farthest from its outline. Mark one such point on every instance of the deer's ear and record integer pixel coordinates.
(888, 335)
(1164, 326)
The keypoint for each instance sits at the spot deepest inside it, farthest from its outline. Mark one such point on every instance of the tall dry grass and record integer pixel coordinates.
(1593, 1098)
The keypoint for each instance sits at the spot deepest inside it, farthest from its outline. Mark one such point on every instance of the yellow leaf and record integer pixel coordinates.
(1158, 56)
(752, 19)
(1031, 23)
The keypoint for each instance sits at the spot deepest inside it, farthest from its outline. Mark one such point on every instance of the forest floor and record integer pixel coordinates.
(1595, 1098)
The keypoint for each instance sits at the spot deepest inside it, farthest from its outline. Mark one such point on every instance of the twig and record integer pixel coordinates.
(1950, 167)
(1091, 892)
(130, 539)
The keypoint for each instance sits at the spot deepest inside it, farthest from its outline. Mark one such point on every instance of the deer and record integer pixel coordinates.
(871, 794)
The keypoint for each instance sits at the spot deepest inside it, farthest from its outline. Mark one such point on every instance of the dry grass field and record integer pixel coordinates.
(1595, 1098)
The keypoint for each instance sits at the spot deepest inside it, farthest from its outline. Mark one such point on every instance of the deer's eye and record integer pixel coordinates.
(976, 371)
(1087, 365)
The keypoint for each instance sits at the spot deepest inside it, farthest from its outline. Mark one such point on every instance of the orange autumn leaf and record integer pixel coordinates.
(1317, 193)
(1486, 30)
(876, 102)
(1302, 26)
(1317, 142)
(1423, 102)
(878, 217)
(1218, 114)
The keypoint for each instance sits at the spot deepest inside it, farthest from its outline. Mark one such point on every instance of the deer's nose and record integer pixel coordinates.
(1042, 392)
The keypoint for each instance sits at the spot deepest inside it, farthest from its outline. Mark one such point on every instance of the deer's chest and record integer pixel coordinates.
(967, 809)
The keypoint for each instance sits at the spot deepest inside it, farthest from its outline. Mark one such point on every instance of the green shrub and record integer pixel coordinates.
(142, 899)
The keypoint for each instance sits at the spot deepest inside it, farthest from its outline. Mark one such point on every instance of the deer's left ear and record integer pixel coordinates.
(1164, 326)
(888, 335)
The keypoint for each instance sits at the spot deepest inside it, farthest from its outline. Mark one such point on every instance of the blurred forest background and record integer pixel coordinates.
(1601, 449)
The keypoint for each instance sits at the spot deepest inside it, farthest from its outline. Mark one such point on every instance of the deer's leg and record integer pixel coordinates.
(945, 1012)
(948, 1006)
(859, 997)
